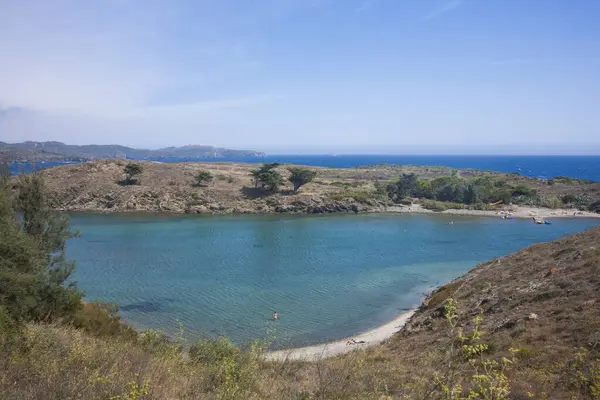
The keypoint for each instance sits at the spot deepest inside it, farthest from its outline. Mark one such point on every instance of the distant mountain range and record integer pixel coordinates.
(57, 151)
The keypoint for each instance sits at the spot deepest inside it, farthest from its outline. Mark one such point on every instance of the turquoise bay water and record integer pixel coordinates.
(328, 276)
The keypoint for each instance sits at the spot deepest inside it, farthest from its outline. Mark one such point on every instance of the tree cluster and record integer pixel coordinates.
(267, 177)
(456, 189)
(270, 180)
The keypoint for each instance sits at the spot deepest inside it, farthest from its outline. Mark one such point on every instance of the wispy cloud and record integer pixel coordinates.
(72, 64)
(444, 8)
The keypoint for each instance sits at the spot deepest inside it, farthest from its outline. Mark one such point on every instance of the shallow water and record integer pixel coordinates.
(327, 276)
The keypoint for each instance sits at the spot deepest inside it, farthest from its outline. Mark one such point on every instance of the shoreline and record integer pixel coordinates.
(518, 212)
(371, 337)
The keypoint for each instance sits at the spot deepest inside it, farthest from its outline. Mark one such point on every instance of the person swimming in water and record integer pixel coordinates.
(275, 315)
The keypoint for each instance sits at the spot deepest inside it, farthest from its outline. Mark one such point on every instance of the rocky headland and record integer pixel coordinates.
(97, 186)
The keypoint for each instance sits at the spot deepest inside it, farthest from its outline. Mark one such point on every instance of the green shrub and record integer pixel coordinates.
(553, 202)
(535, 201)
(156, 341)
(441, 205)
(203, 177)
(481, 207)
(300, 177)
(569, 198)
(10, 330)
(340, 184)
(131, 170)
(585, 375)
(102, 319)
(212, 351)
(228, 178)
(361, 196)
(522, 190)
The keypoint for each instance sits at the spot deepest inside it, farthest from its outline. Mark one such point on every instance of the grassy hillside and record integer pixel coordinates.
(522, 326)
(170, 187)
(92, 151)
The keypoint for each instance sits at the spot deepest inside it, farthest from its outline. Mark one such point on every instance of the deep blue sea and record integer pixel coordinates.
(583, 167)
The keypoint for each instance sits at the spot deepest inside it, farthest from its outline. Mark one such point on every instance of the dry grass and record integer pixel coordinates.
(170, 187)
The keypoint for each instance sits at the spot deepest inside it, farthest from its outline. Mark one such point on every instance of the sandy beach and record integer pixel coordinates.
(522, 212)
(373, 337)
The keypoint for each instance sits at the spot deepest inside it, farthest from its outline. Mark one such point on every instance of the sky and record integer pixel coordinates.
(304, 76)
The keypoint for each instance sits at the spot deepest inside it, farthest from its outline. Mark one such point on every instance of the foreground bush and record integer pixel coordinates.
(60, 362)
(213, 351)
(100, 319)
(441, 205)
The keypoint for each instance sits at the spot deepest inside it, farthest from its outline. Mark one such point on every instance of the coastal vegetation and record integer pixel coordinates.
(478, 193)
(267, 177)
(34, 267)
(300, 177)
(456, 189)
(131, 170)
(273, 188)
(203, 177)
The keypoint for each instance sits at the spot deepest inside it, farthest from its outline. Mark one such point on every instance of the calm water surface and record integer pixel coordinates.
(327, 277)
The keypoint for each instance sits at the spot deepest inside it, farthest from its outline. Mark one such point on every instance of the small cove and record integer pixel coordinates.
(328, 276)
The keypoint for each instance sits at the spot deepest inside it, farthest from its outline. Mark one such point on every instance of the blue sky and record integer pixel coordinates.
(333, 76)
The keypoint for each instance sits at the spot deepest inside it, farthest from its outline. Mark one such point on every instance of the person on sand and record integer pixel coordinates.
(353, 341)
(275, 315)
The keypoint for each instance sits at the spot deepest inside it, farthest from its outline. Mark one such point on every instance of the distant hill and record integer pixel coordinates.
(55, 151)
(9, 154)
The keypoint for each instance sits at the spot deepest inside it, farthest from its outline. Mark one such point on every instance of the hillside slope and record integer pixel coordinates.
(169, 187)
(116, 151)
(543, 302)
(8, 154)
